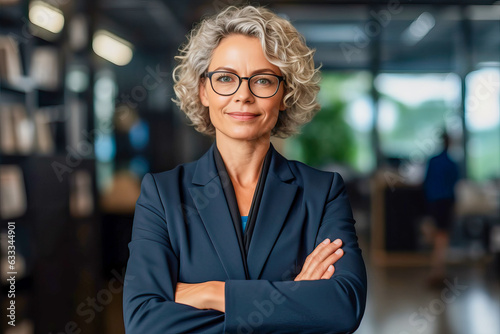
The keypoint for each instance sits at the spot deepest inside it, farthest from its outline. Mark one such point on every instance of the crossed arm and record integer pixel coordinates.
(211, 295)
(316, 301)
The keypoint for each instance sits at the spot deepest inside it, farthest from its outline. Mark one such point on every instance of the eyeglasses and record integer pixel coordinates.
(260, 85)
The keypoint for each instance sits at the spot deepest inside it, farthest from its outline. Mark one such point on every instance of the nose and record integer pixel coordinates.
(243, 93)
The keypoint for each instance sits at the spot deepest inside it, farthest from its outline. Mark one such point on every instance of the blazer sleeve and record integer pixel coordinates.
(151, 276)
(334, 305)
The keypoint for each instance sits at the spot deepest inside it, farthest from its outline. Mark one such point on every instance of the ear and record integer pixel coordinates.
(282, 104)
(203, 93)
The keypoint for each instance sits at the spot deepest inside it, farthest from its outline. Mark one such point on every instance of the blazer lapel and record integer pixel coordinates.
(277, 200)
(208, 196)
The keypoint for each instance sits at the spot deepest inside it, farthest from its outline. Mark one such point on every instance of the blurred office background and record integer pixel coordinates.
(86, 111)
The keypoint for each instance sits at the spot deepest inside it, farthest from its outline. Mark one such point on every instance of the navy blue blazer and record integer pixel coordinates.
(183, 232)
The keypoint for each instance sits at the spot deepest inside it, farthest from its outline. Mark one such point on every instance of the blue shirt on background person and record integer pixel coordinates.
(441, 178)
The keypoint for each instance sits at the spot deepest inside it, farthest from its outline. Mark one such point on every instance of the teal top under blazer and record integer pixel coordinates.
(183, 232)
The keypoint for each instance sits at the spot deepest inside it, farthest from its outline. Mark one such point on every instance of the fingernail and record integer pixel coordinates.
(338, 251)
(326, 241)
(330, 268)
(338, 242)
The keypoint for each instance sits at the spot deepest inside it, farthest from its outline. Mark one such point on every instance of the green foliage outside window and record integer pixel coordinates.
(328, 138)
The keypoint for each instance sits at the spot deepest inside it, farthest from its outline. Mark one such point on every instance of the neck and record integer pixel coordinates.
(243, 159)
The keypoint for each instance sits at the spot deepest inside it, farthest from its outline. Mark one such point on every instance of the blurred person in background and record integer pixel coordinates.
(439, 186)
(244, 240)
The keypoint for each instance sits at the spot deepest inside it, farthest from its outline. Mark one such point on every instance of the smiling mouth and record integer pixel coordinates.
(243, 116)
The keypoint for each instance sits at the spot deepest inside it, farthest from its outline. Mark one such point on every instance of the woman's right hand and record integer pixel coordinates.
(319, 264)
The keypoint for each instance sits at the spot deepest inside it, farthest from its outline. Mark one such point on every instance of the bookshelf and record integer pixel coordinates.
(55, 213)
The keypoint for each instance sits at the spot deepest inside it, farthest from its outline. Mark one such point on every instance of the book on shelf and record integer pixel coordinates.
(24, 128)
(81, 202)
(7, 131)
(45, 67)
(10, 60)
(12, 192)
(16, 130)
(44, 137)
(21, 135)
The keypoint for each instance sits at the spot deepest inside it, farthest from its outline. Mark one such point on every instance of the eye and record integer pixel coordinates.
(224, 78)
(262, 81)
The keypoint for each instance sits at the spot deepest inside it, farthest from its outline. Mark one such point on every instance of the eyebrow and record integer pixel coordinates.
(261, 70)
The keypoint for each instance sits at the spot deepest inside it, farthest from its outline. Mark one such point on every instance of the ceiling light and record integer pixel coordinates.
(112, 48)
(46, 16)
(419, 28)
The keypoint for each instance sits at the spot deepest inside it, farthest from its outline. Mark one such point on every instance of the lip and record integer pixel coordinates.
(243, 116)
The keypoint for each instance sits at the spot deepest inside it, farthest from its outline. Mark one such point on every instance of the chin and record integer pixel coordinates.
(245, 135)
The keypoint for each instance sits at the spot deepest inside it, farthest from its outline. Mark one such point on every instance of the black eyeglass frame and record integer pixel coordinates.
(209, 76)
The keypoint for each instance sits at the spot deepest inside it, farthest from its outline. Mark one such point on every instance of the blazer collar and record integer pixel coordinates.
(206, 169)
(209, 199)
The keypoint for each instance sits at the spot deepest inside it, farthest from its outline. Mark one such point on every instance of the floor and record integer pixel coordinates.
(399, 302)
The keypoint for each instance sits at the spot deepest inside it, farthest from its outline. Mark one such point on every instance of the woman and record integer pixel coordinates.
(243, 240)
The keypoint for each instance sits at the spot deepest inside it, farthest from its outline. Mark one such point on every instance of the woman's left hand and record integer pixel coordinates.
(205, 295)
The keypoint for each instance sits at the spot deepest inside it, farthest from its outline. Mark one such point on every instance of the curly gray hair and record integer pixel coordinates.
(283, 47)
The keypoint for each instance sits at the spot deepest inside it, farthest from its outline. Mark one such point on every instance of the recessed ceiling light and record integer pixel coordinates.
(112, 48)
(46, 16)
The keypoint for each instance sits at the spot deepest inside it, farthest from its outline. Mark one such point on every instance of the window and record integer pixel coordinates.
(483, 123)
(341, 131)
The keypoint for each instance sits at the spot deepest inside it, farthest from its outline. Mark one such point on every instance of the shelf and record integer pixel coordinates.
(12, 93)
(11, 97)
(24, 86)
(7, 159)
(62, 228)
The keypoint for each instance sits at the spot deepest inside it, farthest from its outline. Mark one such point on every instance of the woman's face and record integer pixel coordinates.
(241, 115)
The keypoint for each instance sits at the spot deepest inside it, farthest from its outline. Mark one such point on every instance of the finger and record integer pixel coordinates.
(329, 250)
(317, 260)
(334, 257)
(329, 272)
(321, 246)
(327, 265)
(322, 251)
(314, 253)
